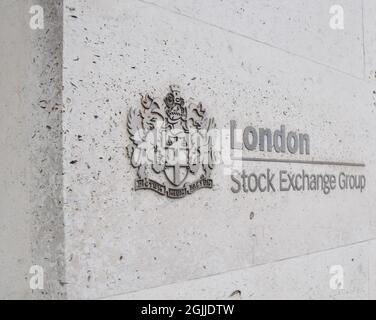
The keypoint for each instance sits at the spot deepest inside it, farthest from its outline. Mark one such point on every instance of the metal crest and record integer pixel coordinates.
(171, 146)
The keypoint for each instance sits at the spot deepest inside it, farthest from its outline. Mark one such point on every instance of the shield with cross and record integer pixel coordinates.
(177, 155)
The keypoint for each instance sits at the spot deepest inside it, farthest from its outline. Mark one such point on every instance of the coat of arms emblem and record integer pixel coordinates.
(171, 145)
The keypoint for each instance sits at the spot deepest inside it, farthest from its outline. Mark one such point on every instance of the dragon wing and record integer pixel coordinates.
(135, 126)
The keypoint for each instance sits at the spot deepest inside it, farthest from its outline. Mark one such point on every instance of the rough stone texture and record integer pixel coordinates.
(119, 240)
(46, 155)
(298, 27)
(304, 277)
(32, 231)
(264, 63)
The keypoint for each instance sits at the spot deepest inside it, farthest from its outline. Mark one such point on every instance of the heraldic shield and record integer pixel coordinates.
(177, 158)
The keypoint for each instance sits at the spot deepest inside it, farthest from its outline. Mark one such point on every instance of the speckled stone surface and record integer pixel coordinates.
(261, 63)
(303, 277)
(118, 240)
(47, 225)
(32, 229)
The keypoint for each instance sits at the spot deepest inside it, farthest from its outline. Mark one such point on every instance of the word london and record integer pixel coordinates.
(266, 140)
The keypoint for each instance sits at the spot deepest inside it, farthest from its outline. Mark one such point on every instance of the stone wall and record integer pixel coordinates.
(260, 63)
(32, 230)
